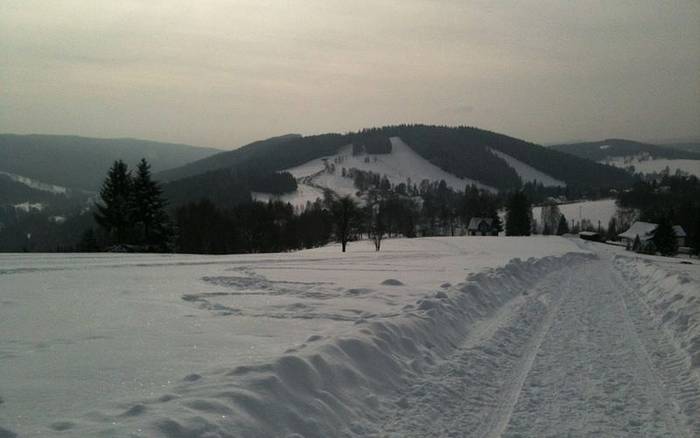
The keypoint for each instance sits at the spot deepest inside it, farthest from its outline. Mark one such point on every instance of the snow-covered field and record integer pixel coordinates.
(85, 338)
(430, 337)
(645, 164)
(601, 210)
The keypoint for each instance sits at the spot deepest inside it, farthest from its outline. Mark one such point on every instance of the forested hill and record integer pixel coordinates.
(463, 151)
(600, 150)
(81, 162)
(263, 149)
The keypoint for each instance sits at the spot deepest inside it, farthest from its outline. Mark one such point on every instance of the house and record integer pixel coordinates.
(481, 226)
(645, 231)
(680, 235)
(590, 235)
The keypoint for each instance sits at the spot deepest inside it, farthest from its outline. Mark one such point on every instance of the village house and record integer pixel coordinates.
(481, 226)
(645, 231)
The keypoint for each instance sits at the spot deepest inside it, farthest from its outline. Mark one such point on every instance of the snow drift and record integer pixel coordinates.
(673, 298)
(337, 386)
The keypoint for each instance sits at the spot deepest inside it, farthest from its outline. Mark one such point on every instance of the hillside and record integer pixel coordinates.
(601, 150)
(81, 162)
(458, 155)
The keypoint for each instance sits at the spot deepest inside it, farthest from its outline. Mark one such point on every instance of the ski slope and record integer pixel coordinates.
(402, 165)
(34, 184)
(430, 337)
(528, 173)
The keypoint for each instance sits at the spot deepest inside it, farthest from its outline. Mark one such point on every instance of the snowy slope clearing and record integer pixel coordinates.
(646, 164)
(434, 337)
(401, 165)
(601, 210)
(34, 184)
(528, 173)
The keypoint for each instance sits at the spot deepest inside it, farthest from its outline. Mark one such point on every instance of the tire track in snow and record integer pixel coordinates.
(594, 376)
(473, 391)
(579, 355)
(497, 421)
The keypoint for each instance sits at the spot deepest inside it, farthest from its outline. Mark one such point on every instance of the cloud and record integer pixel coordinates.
(224, 73)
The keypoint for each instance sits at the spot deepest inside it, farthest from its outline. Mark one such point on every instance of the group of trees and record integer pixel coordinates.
(670, 200)
(132, 210)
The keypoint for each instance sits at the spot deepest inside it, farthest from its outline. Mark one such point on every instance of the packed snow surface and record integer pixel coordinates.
(602, 210)
(430, 337)
(646, 164)
(528, 173)
(402, 165)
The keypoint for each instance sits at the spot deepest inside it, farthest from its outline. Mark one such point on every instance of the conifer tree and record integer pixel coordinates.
(665, 238)
(518, 215)
(563, 227)
(148, 209)
(114, 212)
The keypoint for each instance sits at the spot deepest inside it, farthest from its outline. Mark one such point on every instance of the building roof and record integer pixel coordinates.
(645, 231)
(679, 231)
(475, 221)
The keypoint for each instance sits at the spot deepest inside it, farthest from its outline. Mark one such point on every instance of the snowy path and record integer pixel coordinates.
(578, 355)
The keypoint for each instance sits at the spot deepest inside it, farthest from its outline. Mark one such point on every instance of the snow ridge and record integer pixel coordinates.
(342, 386)
(674, 298)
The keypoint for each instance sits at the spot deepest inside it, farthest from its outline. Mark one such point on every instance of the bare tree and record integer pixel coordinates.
(346, 216)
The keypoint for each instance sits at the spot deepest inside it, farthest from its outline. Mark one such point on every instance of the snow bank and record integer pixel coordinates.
(674, 299)
(338, 386)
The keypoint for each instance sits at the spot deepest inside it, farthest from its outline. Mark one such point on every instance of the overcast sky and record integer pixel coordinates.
(224, 73)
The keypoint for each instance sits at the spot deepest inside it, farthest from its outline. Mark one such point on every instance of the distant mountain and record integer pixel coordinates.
(82, 162)
(491, 159)
(685, 146)
(601, 150)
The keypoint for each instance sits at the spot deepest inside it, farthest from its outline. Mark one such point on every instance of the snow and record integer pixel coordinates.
(644, 230)
(528, 173)
(601, 210)
(304, 193)
(266, 345)
(37, 185)
(644, 164)
(402, 164)
(28, 206)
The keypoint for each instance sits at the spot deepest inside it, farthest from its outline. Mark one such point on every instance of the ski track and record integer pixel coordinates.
(578, 354)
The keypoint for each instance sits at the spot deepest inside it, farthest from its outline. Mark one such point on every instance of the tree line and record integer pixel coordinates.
(133, 215)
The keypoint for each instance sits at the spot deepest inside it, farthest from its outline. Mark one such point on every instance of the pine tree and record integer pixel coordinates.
(114, 212)
(665, 238)
(148, 209)
(518, 215)
(563, 227)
